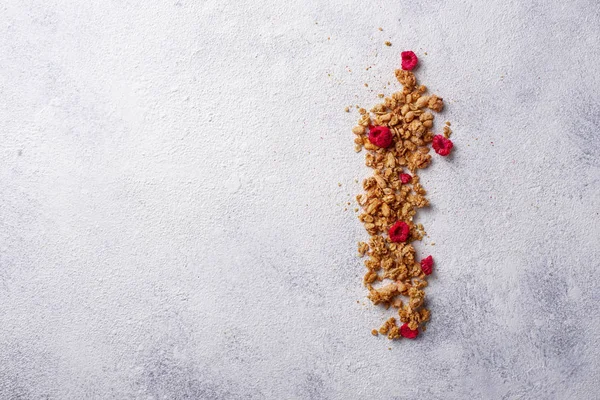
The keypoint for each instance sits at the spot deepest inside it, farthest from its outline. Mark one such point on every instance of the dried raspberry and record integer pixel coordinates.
(380, 136)
(405, 178)
(399, 232)
(409, 60)
(408, 333)
(426, 265)
(441, 145)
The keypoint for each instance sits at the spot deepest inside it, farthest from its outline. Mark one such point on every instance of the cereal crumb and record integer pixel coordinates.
(374, 332)
(447, 131)
(388, 43)
(366, 85)
(380, 28)
(347, 109)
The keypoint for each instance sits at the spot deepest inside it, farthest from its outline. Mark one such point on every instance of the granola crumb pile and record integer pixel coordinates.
(397, 135)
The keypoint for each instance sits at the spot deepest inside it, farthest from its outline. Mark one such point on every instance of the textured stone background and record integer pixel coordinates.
(171, 223)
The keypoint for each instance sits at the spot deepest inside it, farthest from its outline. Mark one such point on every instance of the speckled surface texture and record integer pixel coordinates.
(171, 225)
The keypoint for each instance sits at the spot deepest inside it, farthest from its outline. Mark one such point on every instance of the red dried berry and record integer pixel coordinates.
(426, 265)
(380, 136)
(409, 60)
(405, 178)
(408, 333)
(399, 232)
(442, 145)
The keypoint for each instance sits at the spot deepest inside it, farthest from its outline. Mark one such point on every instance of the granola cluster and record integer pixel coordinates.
(394, 275)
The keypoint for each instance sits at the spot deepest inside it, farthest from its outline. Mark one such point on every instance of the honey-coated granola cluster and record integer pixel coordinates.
(393, 269)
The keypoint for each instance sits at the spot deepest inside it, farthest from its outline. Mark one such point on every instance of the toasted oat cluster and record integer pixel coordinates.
(394, 274)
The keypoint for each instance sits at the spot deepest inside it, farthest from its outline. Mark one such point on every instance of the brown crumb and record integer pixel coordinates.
(436, 103)
(374, 332)
(366, 85)
(388, 43)
(447, 131)
(347, 109)
(380, 28)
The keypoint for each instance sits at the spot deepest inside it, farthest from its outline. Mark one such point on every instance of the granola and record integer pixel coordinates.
(391, 198)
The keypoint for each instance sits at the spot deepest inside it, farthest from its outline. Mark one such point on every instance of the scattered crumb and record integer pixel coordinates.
(380, 28)
(374, 332)
(381, 95)
(339, 184)
(366, 85)
(388, 43)
(447, 131)
(425, 53)
(347, 109)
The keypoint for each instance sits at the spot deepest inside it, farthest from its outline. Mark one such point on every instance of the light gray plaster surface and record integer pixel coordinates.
(171, 225)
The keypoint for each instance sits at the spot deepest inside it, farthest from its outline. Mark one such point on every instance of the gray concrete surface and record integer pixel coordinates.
(171, 225)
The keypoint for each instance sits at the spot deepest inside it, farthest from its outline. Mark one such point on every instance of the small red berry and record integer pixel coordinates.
(426, 265)
(408, 333)
(405, 178)
(399, 232)
(442, 145)
(380, 136)
(409, 60)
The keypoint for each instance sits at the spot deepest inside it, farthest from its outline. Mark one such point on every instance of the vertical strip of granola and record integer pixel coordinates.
(397, 134)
